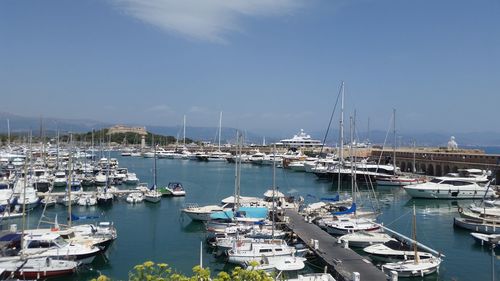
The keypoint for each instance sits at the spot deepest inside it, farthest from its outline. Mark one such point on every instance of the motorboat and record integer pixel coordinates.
(173, 189)
(87, 200)
(363, 239)
(131, 178)
(37, 268)
(101, 179)
(244, 253)
(49, 201)
(53, 245)
(313, 277)
(203, 213)
(344, 225)
(218, 156)
(104, 197)
(135, 197)
(60, 179)
(277, 264)
(449, 188)
(297, 166)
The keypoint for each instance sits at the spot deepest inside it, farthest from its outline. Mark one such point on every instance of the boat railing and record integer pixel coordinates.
(190, 205)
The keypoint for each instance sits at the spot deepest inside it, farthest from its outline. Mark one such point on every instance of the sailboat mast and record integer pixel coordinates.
(109, 167)
(236, 169)
(8, 133)
(341, 128)
(417, 259)
(92, 147)
(368, 132)
(394, 146)
(220, 127)
(28, 155)
(274, 189)
(352, 160)
(70, 167)
(57, 156)
(184, 132)
(341, 152)
(154, 167)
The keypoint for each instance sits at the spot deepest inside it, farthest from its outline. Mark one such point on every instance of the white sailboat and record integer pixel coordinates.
(416, 266)
(153, 195)
(219, 155)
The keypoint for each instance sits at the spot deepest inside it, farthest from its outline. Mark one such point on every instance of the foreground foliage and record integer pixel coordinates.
(150, 271)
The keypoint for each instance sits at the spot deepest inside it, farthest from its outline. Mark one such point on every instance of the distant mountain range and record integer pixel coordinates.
(20, 124)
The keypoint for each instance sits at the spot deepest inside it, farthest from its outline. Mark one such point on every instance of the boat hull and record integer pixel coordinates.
(444, 194)
(476, 226)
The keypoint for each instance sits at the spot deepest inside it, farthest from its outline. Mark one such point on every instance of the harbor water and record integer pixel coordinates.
(159, 233)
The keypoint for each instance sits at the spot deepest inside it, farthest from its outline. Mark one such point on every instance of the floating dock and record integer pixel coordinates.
(341, 262)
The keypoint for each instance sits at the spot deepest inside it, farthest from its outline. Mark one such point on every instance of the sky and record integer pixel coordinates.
(268, 65)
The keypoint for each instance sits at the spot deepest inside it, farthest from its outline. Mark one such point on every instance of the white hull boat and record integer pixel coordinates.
(412, 268)
(363, 239)
(197, 213)
(449, 188)
(135, 197)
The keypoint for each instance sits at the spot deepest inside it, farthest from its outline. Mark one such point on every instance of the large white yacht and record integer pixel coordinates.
(450, 188)
(300, 140)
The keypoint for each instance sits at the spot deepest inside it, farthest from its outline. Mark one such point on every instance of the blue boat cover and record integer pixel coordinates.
(348, 211)
(11, 237)
(243, 212)
(332, 199)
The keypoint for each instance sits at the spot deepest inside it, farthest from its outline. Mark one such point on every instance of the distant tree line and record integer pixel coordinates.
(100, 136)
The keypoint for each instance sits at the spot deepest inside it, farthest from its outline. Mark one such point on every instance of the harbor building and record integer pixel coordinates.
(122, 129)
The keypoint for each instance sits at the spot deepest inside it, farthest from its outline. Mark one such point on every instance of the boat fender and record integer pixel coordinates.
(460, 210)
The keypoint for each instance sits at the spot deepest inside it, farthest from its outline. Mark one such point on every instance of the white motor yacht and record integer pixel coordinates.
(87, 200)
(449, 188)
(135, 197)
(53, 245)
(60, 179)
(253, 251)
(363, 239)
(202, 213)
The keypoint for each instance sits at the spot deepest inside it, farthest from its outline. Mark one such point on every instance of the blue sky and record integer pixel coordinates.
(269, 65)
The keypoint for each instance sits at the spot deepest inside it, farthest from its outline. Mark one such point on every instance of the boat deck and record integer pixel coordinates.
(340, 261)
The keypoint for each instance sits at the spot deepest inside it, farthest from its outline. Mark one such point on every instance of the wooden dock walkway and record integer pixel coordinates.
(341, 262)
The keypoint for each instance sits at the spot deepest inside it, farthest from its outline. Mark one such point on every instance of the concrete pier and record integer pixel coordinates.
(342, 262)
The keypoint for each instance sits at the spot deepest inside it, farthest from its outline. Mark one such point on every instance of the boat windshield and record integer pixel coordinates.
(436, 180)
(61, 242)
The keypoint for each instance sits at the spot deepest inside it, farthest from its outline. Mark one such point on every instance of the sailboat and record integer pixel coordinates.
(153, 195)
(416, 266)
(274, 252)
(344, 222)
(218, 155)
(395, 179)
